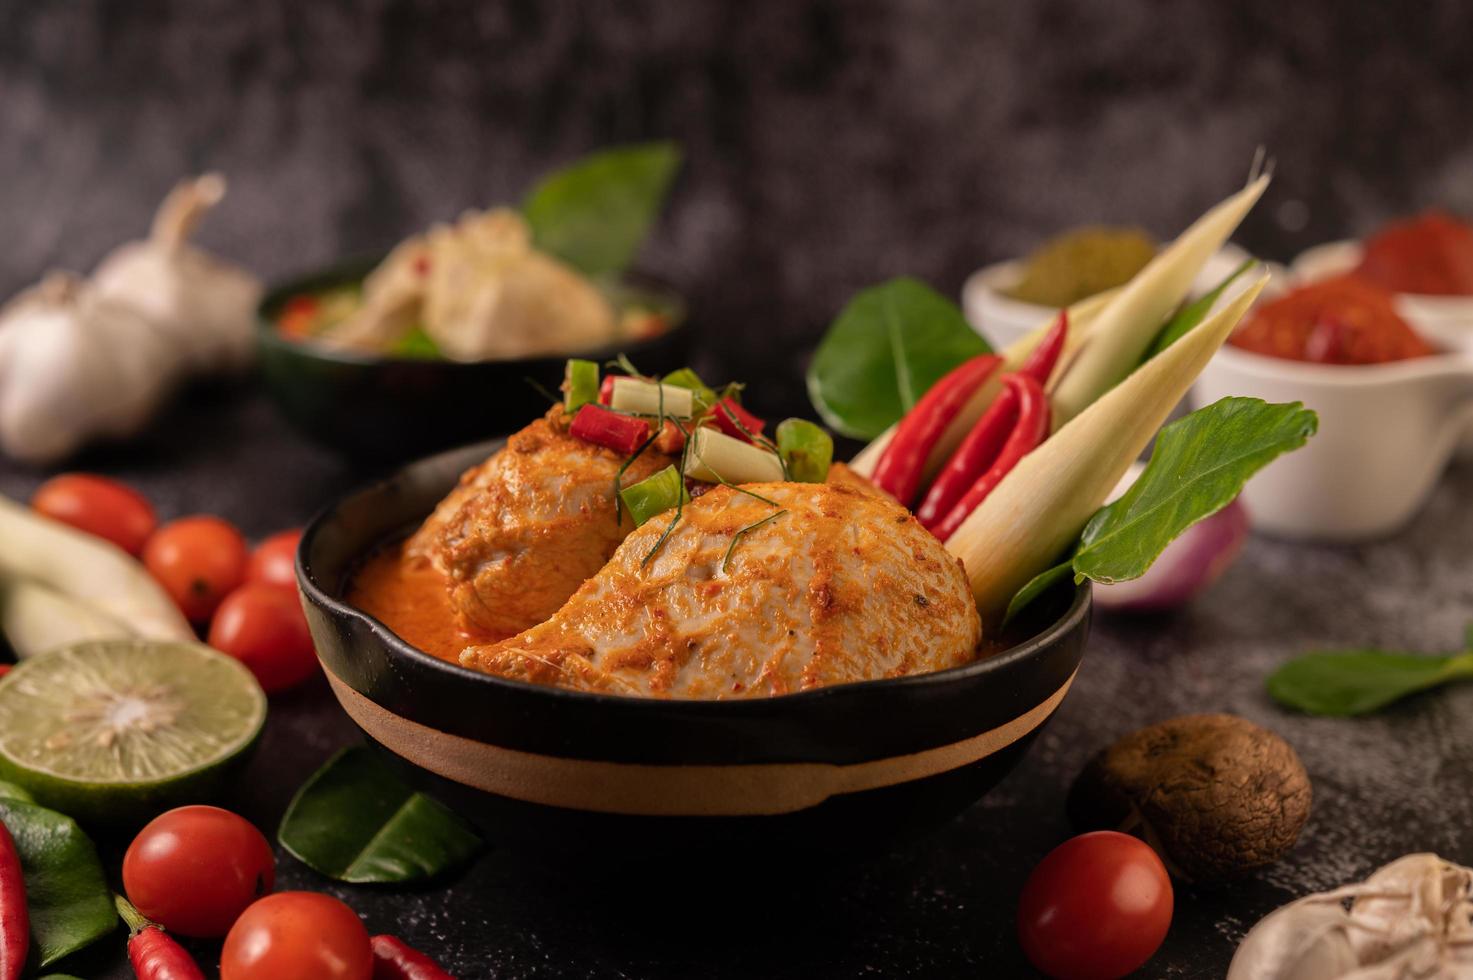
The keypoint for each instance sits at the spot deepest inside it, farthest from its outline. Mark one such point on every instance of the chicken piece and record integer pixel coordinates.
(393, 300)
(492, 295)
(837, 585)
(525, 528)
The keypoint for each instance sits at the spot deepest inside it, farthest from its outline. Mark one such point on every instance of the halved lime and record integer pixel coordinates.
(114, 731)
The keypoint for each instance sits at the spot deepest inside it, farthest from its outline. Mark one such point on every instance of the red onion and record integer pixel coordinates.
(1186, 568)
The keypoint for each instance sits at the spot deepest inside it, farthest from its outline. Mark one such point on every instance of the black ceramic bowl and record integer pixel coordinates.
(392, 409)
(845, 768)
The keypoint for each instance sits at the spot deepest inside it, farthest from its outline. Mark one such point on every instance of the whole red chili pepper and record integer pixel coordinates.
(978, 451)
(15, 920)
(1040, 362)
(154, 955)
(903, 462)
(1031, 429)
(393, 959)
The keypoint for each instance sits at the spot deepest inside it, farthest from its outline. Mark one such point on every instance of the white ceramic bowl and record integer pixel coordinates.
(1386, 433)
(1002, 319)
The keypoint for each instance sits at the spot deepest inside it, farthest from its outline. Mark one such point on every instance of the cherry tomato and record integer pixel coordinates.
(1096, 908)
(198, 561)
(297, 936)
(274, 562)
(99, 506)
(263, 627)
(194, 870)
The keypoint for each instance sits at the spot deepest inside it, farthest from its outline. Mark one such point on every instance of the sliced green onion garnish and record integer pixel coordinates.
(580, 384)
(686, 378)
(655, 494)
(806, 449)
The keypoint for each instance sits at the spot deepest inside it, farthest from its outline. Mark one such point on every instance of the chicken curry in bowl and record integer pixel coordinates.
(665, 555)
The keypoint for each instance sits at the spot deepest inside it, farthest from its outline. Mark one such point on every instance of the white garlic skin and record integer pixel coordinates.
(207, 305)
(1301, 941)
(75, 366)
(1411, 920)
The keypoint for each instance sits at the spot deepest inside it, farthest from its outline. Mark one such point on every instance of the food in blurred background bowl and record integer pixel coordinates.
(397, 405)
(1426, 261)
(1006, 300)
(1391, 406)
(448, 338)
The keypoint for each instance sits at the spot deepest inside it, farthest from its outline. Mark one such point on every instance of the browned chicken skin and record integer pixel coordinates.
(523, 530)
(843, 585)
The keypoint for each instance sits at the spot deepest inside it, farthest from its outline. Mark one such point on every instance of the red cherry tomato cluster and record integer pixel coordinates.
(205, 872)
(244, 600)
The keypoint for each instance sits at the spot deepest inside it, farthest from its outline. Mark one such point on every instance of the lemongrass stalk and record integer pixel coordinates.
(1040, 508)
(87, 569)
(1082, 317)
(36, 618)
(1124, 330)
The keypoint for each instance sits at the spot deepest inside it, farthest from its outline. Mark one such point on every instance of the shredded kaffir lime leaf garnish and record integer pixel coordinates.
(619, 476)
(541, 389)
(679, 509)
(623, 363)
(743, 532)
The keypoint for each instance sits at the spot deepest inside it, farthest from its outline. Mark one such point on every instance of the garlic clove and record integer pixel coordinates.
(1307, 940)
(206, 304)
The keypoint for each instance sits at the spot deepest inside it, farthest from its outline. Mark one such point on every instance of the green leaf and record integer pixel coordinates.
(1199, 465)
(356, 820)
(1036, 587)
(1194, 312)
(891, 343)
(1356, 682)
(595, 214)
(70, 904)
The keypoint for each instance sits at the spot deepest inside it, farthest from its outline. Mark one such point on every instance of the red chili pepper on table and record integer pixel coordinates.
(1030, 430)
(393, 959)
(731, 419)
(602, 427)
(15, 920)
(154, 955)
(1041, 361)
(903, 462)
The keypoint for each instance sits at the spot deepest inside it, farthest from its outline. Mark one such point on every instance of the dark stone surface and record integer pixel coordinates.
(942, 906)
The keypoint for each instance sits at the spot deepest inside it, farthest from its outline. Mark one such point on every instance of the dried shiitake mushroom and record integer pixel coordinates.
(1217, 795)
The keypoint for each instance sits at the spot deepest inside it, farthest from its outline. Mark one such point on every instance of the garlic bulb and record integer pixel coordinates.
(209, 306)
(1411, 919)
(75, 365)
(83, 359)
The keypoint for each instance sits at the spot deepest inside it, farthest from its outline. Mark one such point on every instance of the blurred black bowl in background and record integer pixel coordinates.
(390, 409)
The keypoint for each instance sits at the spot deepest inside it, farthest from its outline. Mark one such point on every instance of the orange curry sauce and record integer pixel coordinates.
(409, 597)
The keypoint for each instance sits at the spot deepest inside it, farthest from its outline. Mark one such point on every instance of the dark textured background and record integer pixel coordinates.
(830, 145)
